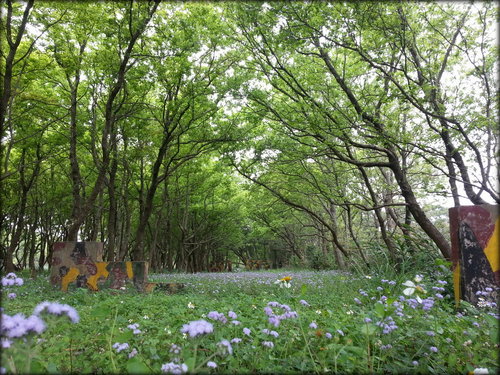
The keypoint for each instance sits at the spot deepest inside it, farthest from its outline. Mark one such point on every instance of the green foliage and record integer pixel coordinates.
(339, 304)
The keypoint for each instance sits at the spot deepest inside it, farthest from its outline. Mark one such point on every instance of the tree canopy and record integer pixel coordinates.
(193, 134)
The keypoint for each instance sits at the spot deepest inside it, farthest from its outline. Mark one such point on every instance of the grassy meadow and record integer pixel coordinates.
(249, 322)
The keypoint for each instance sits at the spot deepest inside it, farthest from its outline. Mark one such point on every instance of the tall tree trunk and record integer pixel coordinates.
(110, 112)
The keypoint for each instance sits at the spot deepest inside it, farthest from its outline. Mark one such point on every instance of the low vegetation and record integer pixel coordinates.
(253, 322)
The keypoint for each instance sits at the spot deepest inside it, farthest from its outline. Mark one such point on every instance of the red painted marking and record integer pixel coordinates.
(480, 221)
(58, 246)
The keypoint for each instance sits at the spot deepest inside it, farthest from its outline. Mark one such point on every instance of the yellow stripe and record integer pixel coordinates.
(130, 273)
(69, 278)
(101, 271)
(491, 250)
(456, 284)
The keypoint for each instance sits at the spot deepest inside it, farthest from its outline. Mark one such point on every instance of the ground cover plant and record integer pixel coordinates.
(286, 321)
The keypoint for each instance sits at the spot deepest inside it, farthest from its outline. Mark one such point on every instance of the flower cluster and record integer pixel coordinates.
(174, 368)
(11, 279)
(215, 315)
(388, 325)
(197, 328)
(268, 344)
(225, 347)
(19, 326)
(57, 309)
(120, 347)
(276, 319)
(135, 328)
(389, 282)
(271, 333)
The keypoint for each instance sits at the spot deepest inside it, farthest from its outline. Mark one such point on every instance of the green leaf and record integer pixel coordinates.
(368, 329)
(52, 368)
(36, 367)
(303, 289)
(379, 310)
(136, 366)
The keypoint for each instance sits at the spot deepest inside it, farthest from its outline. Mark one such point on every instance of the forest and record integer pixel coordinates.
(201, 136)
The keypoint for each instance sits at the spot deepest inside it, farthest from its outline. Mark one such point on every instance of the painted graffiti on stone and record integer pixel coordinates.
(474, 234)
(80, 264)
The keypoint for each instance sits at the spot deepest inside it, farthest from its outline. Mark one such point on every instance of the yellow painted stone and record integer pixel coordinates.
(130, 273)
(492, 250)
(456, 284)
(69, 278)
(101, 272)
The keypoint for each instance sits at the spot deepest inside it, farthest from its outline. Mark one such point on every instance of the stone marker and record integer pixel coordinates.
(474, 232)
(79, 255)
(80, 263)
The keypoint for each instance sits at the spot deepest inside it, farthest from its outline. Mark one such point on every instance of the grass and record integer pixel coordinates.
(345, 323)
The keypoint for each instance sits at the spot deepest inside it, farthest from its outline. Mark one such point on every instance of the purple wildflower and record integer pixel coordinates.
(388, 325)
(174, 368)
(246, 331)
(304, 303)
(268, 344)
(11, 279)
(379, 288)
(328, 335)
(214, 315)
(135, 328)
(57, 309)
(12, 295)
(385, 347)
(286, 308)
(133, 353)
(430, 333)
(225, 347)
(340, 332)
(268, 311)
(211, 364)
(427, 303)
(368, 320)
(357, 301)
(235, 322)
(5, 343)
(438, 288)
(439, 296)
(236, 340)
(197, 327)
(120, 347)
(313, 325)
(433, 349)
(175, 349)
(415, 363)
(18, 325)
(274, 320)
(232, 315)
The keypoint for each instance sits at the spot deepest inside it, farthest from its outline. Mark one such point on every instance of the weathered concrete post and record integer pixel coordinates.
(474, 232)
(80, 263)
(79, 255)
